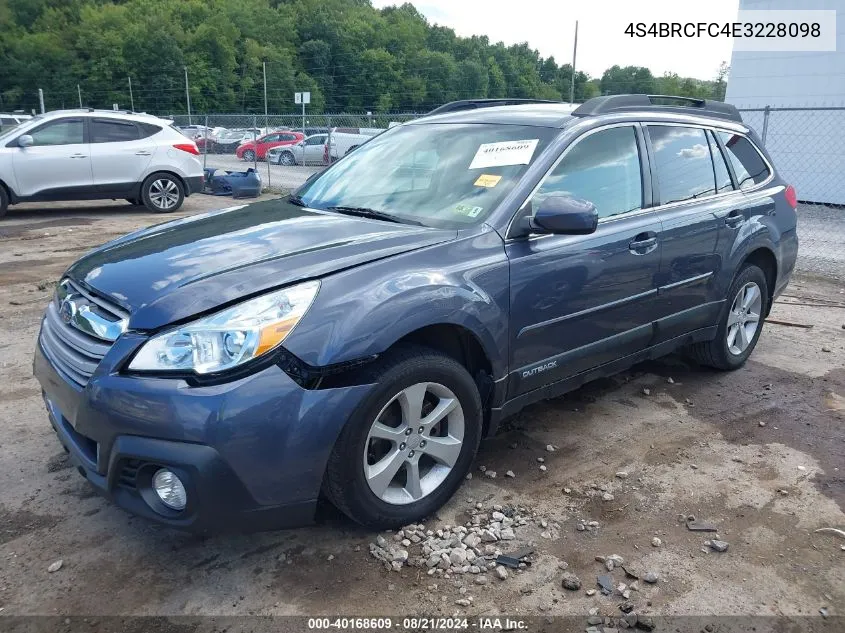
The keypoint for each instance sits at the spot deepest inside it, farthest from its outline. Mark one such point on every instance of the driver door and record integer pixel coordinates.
(579, 301)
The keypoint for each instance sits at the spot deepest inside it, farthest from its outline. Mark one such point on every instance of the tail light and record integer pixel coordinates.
(191, 148)
(791, 196)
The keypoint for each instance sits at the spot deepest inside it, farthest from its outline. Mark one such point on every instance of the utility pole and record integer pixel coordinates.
(41, 100)
(187, 95)
(574, 53)
(264, 68)
(79, 92)
(131, 100)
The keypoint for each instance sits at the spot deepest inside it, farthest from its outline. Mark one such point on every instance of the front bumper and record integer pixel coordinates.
(251, 452)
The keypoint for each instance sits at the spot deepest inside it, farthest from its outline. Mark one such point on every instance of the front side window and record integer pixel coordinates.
(112, 131)
(438, 174)
(603, 168)
(749, 166)
(63, 132)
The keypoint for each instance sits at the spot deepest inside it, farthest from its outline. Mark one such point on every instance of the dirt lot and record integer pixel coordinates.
(758, 452)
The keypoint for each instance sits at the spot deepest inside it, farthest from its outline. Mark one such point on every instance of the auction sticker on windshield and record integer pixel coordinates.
(487, 180)
(467, 210)
(504, 153)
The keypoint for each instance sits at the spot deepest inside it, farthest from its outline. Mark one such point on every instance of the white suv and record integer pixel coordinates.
(92, 155)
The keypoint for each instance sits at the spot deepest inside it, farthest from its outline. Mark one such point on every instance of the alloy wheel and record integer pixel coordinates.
(164, 194)
(287, 159)
(414, 443)
(744, 318)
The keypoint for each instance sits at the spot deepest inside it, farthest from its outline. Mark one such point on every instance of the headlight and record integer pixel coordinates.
(229, 338)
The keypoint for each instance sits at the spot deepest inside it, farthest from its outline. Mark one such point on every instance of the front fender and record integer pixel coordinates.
(363, 311)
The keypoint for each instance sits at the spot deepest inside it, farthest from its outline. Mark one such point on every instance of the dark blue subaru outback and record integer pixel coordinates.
(357, 340)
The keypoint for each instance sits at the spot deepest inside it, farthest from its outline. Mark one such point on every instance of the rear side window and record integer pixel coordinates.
(684, 166)
(604, 168)
(112, 131)
(723, 176)
(749, 166)
(148, 129)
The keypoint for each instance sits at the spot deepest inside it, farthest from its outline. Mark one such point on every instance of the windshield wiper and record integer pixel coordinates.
(365, 212)
(297, 200)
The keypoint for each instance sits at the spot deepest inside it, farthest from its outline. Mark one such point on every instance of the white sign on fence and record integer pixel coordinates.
(302, 97)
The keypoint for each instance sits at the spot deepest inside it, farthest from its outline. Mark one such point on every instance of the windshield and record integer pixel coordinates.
(445, 175)
(15, 130)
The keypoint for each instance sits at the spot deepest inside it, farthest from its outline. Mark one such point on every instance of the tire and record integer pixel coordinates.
(287, 159)
(4, 201)
(351, 149)
(248, 156)
(346, 482)
(162, 193)
(727, 352)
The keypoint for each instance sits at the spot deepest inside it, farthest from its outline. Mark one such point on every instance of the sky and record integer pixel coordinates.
(549, 25)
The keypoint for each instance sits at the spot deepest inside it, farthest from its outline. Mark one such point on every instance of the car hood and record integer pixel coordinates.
(171, 272)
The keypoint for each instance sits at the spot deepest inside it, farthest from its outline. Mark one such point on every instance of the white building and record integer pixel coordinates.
(808, 147)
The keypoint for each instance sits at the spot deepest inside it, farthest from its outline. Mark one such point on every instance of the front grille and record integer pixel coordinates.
(73, 352)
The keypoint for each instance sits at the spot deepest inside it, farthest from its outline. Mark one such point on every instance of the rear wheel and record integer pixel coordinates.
(740, 324)
(249, 156)
(410, 443)
(162, 193)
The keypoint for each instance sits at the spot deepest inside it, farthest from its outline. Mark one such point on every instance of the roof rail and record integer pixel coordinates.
(659, 103)
(472, 104)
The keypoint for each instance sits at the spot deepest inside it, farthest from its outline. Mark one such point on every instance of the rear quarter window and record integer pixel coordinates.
(749, 166)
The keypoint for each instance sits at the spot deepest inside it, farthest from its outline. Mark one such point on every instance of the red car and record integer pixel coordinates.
(260, 147)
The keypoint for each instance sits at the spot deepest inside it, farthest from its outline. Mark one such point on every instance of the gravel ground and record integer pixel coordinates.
(612, 470)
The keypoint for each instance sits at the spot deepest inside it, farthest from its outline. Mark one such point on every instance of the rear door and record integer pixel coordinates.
(579, 301)
(694, 195)
(121, 150)
(58, 163)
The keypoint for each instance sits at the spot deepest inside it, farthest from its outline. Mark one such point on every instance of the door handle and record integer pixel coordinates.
(734, 219)
(643, 244)
(79, 156)
(143, 153)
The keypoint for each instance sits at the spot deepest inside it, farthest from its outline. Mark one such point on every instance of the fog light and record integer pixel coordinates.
(170, 489)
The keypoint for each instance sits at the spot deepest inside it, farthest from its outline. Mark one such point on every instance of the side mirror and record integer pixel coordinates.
(25, 140)
(564, 215)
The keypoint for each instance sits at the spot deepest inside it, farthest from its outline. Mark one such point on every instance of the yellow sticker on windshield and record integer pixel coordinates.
(465, 209)
(487, 180)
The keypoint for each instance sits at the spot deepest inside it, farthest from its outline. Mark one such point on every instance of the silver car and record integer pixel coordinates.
(309, 151)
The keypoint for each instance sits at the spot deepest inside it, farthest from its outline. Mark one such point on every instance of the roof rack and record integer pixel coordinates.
(659, 103)
(472, 104)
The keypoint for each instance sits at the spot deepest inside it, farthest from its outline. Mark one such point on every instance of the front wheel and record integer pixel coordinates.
(287, 159)
(249, 156)
(162, 193)
(410, 443)
(740, 324)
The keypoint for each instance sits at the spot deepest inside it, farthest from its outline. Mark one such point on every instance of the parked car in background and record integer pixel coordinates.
(309, 151)
(12, 120)
(93, 155)
(191, 131)
(356, 340)
(251, 150)
(230, 140)
(342, 142)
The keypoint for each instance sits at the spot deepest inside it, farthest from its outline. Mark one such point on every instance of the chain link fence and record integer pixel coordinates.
(807, 146)
(284, 149)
